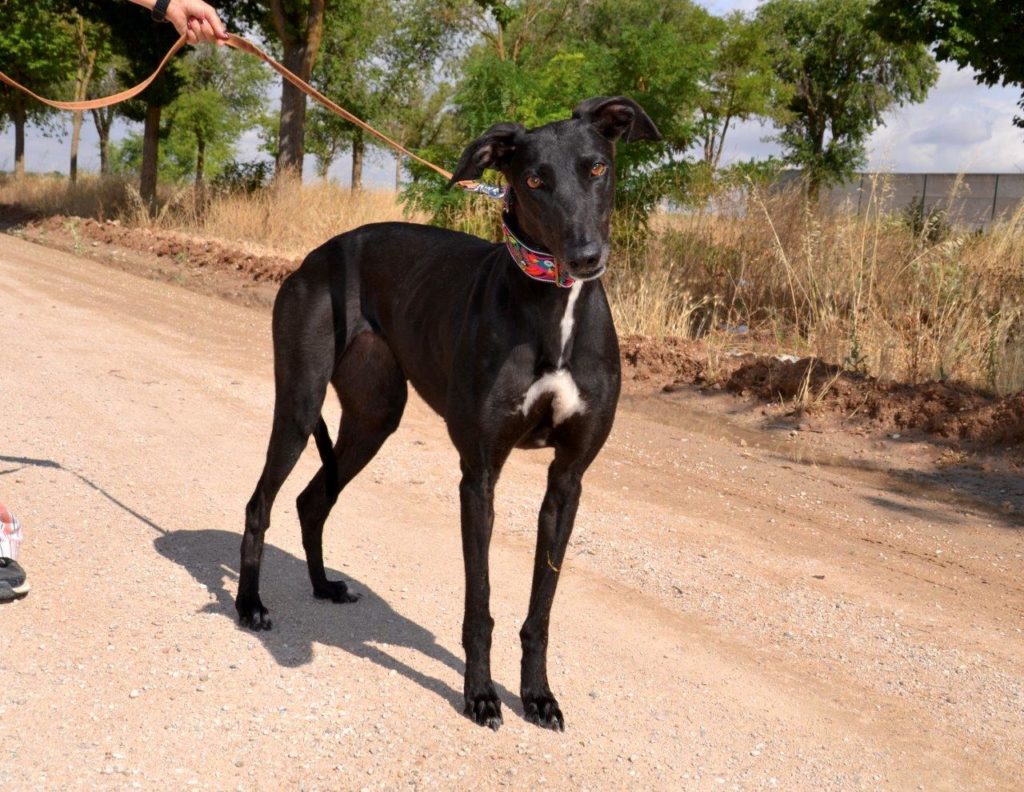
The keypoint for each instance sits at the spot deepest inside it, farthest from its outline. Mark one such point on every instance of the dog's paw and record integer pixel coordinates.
(484, 709)
(543, 710)
(335, 591)
(252, 614)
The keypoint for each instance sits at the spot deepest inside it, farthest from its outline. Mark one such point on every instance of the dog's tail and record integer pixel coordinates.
(326, 448)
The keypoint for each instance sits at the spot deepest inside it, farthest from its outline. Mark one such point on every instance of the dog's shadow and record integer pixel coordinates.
(360, 628)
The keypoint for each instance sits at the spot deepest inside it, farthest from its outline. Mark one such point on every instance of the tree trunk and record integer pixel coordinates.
(76, 136)
(86, 66)
(200, 168)
(150, 156)
(20, 117)
(398, 173)
(300, 39)
(200, 158)
(721, 142)
(358, 149)
(103, 119)
(291, 133)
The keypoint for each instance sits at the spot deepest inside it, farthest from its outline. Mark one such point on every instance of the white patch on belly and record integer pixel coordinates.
(565, 396)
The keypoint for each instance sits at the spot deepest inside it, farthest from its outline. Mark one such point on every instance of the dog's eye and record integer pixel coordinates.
(533, 182)
(598, 170)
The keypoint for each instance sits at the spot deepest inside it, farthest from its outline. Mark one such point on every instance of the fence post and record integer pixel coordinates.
(995, 195)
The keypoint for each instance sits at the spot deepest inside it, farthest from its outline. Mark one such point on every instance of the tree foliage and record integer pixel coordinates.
(984, 35)
(537, 59)
(844, 76)
(37, 51)
(742, 84)
(223, 95)
(94, 55)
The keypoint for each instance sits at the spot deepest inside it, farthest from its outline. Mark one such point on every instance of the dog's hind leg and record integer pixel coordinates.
(373, 392)
(303, 361)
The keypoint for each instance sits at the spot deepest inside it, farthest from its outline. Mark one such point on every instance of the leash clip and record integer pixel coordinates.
(490, 190)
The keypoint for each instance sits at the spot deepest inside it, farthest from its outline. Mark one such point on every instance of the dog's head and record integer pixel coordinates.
(563, 177)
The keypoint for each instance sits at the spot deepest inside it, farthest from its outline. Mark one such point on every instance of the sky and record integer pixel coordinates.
(962, 127)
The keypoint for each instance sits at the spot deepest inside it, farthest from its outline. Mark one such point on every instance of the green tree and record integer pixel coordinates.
(92, 42)
(423, 122)
(36, 51)
(106, 83)
(742, 84)
(349, 70)
(377, 60)
(140, 44)
(844, 76)
(985, 35)
(536, 59)
(223, 95)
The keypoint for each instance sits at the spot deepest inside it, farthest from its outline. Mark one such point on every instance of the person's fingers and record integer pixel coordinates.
(206, 32)
(217, 26)
(190, 36)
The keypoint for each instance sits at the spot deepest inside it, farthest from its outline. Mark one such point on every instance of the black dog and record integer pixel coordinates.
(507, 360)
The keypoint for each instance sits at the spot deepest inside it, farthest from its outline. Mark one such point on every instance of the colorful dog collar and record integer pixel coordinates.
(536, 264)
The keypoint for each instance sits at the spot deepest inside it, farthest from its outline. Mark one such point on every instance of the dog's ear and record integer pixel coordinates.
(493, 149)
(617, 116)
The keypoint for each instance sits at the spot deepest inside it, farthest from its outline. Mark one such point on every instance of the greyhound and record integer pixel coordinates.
(512, 345)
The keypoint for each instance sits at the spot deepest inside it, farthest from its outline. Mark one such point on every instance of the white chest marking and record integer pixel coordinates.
(568, 320)
(565, 396)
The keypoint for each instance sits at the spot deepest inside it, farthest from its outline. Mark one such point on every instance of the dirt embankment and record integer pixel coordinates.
(812, 388)
(806, 388)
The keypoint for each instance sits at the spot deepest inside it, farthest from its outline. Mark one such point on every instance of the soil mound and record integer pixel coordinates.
(947, 409)
(670, 362)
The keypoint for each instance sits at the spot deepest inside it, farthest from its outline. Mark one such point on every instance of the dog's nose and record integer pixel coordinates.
(584, 260)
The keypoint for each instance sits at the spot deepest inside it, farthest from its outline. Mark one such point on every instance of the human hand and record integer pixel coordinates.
(197, 21)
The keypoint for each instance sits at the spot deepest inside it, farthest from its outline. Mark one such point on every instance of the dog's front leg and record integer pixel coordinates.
(476, 493)
(557, 515)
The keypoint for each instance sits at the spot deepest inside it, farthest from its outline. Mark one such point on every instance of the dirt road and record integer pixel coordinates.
(741, 608)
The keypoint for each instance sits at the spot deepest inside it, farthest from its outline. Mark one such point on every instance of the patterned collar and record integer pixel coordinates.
(536, 264)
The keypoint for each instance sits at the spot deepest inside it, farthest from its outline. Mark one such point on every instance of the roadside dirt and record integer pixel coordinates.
(751, 600)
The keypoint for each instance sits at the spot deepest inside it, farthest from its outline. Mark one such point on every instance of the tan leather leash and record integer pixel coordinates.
(106, 101)
(244, 45)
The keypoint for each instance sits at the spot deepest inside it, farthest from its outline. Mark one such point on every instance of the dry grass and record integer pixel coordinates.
(866, 291)
(290, 218)
(106, 198)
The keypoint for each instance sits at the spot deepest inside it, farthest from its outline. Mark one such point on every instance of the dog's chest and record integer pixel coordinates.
(559, 385)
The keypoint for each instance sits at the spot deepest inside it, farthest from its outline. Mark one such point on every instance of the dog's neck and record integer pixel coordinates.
(553, 313)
